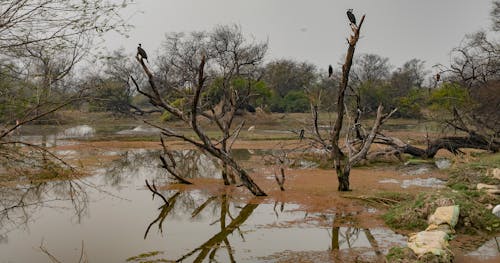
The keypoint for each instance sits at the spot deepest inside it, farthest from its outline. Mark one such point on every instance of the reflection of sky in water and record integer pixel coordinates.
(428, 182)
(146, 163)
(141, 129)
(488, 250)
(56, 137)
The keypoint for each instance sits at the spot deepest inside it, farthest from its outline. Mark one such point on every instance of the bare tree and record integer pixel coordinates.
(495, 15)
(61, 23)
(475, 62)
(112, 88)
(191, 66)
(475, 136)
(286, 75)
(357, 142)
(410, 75)
(40, 43)
(370, 68)
(476, 67)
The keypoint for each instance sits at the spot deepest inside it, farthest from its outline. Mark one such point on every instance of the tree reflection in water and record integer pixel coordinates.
(348, 243)
(189, 164)
(227, 222)
(348, 237)
(19, 203)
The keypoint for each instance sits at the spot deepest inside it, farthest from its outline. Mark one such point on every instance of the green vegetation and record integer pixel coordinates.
(475, 218)
(294, 101)
(467, 176)
(396, 196)
(406, 255)
(448, 96)
(401, 255)
(115, 97)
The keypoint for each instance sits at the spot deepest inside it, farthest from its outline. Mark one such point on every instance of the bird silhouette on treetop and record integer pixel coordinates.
(142, 53)
(351, 17)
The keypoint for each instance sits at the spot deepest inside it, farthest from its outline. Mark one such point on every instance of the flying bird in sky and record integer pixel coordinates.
(330, 71)
(351, 16)
(141, 52)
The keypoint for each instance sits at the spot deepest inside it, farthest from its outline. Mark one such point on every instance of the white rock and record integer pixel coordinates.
(486, 186)
(493, 191)
(496, 210)
(423, 242)
(442, 163)
(443, 227)
(495, 173)
(445, 215)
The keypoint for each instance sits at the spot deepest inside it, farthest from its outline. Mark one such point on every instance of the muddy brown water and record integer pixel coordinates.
(111, 216)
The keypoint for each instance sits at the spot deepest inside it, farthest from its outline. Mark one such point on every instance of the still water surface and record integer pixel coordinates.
(111, 211)
(107, 216)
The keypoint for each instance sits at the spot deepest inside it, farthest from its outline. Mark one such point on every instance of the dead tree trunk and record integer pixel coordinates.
(357, 145)
(453, 144)
(476, 137)
(336, 153)
(358, 148)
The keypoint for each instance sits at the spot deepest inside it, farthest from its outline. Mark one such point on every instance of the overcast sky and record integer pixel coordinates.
(316, 30)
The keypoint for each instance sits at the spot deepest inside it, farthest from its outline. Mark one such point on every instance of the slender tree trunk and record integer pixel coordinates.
(335, 242)
(224, 174)
(246, 180)
(224, 165)
(337, 154)
(335, 238)
(343, 178)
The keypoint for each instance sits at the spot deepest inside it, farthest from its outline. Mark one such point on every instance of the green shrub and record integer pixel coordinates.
(448, 96)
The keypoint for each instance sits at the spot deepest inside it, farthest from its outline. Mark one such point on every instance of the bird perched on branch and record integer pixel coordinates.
(438, 77)
(142, 53)
(351, 17)
(330, 71)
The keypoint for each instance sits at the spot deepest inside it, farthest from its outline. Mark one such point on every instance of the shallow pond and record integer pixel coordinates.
(111, 217)
(108, 214)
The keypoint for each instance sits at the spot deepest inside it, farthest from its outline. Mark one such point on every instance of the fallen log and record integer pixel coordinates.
(453, 144)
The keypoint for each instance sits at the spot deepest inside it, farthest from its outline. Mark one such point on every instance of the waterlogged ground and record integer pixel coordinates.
(109, 215)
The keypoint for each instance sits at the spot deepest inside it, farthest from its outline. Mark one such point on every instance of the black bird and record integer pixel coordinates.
(330, 71)
(438, 77)
(301, 135)
(351, 16)
(141, 52)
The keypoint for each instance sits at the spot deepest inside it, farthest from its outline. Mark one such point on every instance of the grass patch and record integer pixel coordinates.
(405, 216)
(401, 254)
(474, 217)
(417, 161)
(466, 176)
(396, 196)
